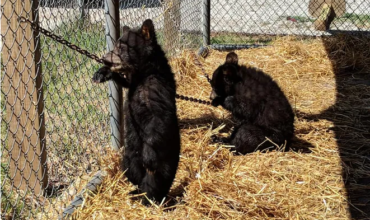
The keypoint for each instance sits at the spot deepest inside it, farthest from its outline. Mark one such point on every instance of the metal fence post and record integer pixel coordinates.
(206, 11)
(81, 6)
(115, 90)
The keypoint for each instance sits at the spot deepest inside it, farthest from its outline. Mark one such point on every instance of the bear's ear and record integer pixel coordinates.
(125, 29)
(232, 58)
(147, 29)
(125, 33)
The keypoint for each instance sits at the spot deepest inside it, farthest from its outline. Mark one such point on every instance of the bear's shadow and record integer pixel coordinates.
(297, 145)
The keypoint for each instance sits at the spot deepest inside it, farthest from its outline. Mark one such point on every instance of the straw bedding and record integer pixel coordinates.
(212, 183)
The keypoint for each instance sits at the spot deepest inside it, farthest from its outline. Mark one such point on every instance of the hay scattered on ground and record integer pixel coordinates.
(211, 183)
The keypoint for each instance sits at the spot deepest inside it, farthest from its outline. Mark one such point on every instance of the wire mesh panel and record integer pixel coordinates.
(177, 22)
(53, 89)
(234, 21)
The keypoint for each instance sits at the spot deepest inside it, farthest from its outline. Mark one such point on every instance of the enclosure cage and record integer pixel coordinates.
(55, 123)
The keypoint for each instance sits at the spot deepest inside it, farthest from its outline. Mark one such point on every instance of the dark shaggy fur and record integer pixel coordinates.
(152, 135)
(257, 104)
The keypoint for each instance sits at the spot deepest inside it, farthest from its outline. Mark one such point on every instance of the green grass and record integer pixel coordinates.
(358, 19)
(67, 73)
(56, 55)
(234, 38)
(74, 105)
(302, 19)
(10, 206)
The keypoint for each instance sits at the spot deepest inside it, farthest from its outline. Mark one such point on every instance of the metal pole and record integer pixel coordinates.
(115, 90)
(81, 6)
(206, 22)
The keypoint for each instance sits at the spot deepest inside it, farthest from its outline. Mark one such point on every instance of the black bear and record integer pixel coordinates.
(152, 137)
(259, 107)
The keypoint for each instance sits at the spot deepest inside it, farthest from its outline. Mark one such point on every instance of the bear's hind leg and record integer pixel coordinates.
(250, 138)
(134, 170)
(158, 183)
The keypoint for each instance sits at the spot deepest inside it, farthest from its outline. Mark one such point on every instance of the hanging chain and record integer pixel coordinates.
(191, 99)
(60, 39)
(74, 47)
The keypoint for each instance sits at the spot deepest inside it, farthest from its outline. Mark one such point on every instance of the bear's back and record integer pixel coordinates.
(271, 102)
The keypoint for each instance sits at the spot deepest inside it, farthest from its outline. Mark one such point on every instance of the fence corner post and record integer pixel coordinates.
(112, 32)
(206, 21)
(81, 7)
(24, 102)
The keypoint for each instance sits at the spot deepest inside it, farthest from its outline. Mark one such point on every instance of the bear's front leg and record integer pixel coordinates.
(102, 75)
(105, 74)
(229, 103)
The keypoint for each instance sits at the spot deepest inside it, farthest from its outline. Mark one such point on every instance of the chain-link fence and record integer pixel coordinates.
(55, 122)
(235, 23)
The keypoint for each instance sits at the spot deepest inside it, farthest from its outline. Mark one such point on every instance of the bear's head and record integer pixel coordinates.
(224, 78)
(130, 50)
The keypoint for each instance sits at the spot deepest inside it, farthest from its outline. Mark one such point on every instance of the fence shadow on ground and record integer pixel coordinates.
(350, 58)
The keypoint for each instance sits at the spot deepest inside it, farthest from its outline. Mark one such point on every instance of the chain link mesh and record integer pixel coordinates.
(75, 112)
(53, 87)
(239, 22)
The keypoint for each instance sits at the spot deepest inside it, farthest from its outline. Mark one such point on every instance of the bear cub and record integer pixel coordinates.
(152, 137)
(258, 106)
